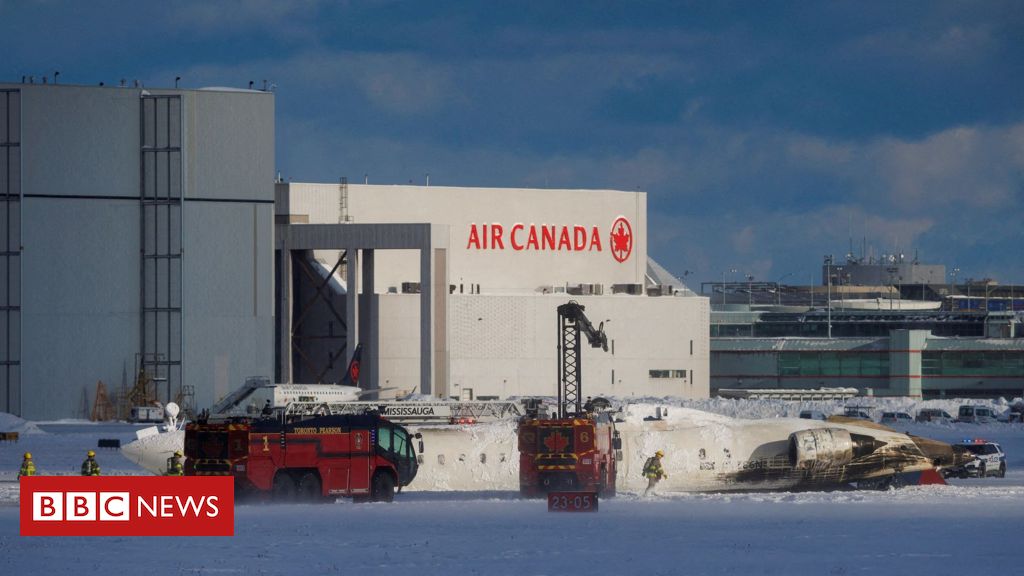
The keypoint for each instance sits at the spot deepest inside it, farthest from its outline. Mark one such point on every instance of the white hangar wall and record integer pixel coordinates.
(476, 260)
(501, 338)
(80, 215)
(505, 345)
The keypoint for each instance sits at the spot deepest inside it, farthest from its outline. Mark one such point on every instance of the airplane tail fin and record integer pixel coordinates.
(351, 377)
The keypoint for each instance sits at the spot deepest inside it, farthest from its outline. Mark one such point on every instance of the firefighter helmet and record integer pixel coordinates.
(28, 455)
(659, 454)
(178, 453)
(90, 454)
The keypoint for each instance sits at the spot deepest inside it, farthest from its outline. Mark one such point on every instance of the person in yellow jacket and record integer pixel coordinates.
(653, 471)
(28, 467)
(90, 467)
(174, 466)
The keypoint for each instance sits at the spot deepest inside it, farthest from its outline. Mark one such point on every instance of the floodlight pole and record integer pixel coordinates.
(828, 281)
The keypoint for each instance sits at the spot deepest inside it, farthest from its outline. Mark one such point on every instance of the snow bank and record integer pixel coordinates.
(11, 423)
(756, 409)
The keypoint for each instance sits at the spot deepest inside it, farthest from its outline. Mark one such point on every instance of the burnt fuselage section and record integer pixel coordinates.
(787, 454)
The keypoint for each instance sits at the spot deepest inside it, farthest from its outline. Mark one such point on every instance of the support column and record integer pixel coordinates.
(905, 349)
(285, 298)
(440, 317)
(427, 324)
(369, 325)
(351, 295)
(434, 322)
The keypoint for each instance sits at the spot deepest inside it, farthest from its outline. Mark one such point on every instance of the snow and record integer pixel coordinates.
(11, 423)
(972, 525)
(927, 530)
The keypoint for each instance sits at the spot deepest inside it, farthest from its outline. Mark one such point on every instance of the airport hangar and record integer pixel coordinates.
(142, 230)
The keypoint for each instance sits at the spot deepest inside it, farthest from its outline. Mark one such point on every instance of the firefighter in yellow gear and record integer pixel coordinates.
(174, 466)
(90, 467)
(28, 467)
(653, 471)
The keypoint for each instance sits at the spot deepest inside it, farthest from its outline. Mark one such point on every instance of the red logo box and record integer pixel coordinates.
(127, 506)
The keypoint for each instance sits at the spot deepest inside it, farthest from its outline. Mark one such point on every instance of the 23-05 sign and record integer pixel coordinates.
(572, 502)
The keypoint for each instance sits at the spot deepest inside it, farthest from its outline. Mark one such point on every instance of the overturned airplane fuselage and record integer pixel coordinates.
(704, 452)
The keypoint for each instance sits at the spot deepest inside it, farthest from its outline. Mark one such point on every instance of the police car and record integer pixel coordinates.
(989, 460)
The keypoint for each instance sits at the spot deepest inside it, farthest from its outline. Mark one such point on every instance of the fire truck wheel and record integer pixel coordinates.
(284, 487)
(309, 487)
(383, 488)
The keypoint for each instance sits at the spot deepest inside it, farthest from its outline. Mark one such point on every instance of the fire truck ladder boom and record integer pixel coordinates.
(571, 322)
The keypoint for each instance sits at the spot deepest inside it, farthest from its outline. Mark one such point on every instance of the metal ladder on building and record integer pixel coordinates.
(343, 216)
(161, 201)
(10, 251)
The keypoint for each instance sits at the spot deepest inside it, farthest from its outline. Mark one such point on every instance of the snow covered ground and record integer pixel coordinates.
(972, 525)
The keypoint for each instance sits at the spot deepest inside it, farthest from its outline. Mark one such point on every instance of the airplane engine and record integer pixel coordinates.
(822, 447)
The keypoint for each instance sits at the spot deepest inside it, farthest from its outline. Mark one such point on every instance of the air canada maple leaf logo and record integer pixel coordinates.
(621, 239)
(556, 442)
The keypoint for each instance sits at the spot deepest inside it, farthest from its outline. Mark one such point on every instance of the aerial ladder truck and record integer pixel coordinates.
(577, 449)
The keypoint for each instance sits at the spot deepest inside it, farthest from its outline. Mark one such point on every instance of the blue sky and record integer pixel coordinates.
(766, 134)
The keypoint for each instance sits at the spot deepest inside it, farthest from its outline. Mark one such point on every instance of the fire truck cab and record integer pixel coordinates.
(292, 457)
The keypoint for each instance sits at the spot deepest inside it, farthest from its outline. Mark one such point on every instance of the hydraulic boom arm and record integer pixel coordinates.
(571, 322)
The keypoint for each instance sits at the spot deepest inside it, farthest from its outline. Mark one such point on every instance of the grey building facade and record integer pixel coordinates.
(136, 237)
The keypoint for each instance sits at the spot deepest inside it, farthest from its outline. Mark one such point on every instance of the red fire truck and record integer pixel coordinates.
(305, 457)
(568, 455)
(577, 449)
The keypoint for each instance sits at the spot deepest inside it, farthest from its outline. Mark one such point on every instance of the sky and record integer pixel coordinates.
(766, 134)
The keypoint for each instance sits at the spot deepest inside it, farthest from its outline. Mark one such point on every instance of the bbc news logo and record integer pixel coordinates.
(127, 506)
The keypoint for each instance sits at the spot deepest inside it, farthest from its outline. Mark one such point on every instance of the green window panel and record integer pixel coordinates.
(874, 365)
(829, 364)
(789, 364)
(931, 363)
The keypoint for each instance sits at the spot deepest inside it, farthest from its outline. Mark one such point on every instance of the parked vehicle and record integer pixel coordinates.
(812, 414)
(976, 414)
(933, 415)
(895, 418)
(860, 412)
(989, 460)
(305, 457)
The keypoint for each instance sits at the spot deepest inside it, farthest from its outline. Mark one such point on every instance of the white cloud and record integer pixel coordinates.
(971, 167)
(398, 83)
(940, 44)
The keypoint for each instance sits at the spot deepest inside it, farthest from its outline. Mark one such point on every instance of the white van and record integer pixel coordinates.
(812, 414)
(976, 414)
